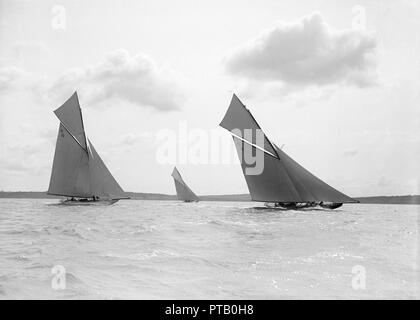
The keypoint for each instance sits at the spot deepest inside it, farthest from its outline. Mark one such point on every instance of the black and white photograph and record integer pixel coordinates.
(209, 150)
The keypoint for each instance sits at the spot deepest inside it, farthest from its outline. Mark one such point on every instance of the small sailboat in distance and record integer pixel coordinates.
(78, 171)
(282, 182)
(183, 192)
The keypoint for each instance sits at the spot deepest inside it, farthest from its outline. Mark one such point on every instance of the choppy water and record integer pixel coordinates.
(208, 250)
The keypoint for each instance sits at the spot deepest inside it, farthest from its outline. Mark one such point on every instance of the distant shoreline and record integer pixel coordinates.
(405, 199)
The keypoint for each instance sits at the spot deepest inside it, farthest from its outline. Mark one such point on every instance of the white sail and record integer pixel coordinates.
(238, 117)
(282, 179)
(78, 170)
(183, 192)
(308, 185)
(70, 116)
(70, 171)
(102, 183)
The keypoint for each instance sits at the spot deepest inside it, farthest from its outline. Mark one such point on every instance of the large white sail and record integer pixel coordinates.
(308, 185)
(103, 184)
(282, 179)
(183, 192)
(78, 170)
(70, 171)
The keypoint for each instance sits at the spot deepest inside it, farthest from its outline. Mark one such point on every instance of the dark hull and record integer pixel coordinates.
(302, 205)
(332, 205)
(88, 202)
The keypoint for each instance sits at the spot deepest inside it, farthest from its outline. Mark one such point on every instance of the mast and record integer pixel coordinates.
(81, 119)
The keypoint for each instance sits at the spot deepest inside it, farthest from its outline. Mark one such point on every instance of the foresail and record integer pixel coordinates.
(184, 193)
(309, 186)
(283, 179)
(103, 184)
(70, 116)
(238, 117)
(70, 171)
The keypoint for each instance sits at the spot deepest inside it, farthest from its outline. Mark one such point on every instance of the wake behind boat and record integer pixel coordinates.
(282, 182)
(78, 171)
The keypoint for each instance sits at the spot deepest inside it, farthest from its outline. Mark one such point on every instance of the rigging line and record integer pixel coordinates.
(81, 118)
(75, 139)
(89, 152)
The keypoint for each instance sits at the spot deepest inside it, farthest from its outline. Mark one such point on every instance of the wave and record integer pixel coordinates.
(23, 232)
(72, 279)
(228, 223)
(331, 255)
(143, 255)
(38, 265)
(144, 229)
(21, 257)
(74, 233)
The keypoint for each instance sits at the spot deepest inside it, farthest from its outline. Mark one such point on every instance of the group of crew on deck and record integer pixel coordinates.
(310, 204)
(94, 198)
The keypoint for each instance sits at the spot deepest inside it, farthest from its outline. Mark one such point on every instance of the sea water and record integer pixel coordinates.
(207, 250)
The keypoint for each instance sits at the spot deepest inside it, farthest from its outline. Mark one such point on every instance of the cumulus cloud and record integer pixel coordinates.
(306, 52)
(11, 77)
(131, 78)
(14, 75)
(30, 49)
(27, 158)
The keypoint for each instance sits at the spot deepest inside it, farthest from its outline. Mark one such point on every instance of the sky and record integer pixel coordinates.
(335, 83)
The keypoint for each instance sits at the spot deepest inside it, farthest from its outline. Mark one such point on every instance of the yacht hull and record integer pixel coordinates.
(302, 205)
(332, 205)
(86, 202)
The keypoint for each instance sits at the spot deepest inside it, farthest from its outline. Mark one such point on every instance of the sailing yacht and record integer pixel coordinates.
(78, 171)
(282, 182)
(183, 192)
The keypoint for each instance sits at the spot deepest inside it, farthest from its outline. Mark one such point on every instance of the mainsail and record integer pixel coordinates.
(70, 171)
(282, 179)
(183, 192)
(78, 170)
